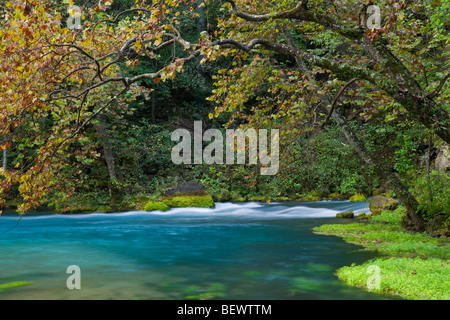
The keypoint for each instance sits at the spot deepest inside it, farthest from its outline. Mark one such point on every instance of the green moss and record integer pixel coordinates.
(194, 200)
(156, 205)
(15, 284)
(411, 278)
(358, 197)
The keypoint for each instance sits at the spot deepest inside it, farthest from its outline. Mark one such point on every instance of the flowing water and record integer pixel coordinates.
(234, 251)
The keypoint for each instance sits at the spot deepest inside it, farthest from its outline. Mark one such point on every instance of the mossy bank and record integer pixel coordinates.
(199, 199)
(413, 266)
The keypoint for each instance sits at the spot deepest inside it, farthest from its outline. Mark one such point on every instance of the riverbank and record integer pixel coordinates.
(101, 202)
(414, 266)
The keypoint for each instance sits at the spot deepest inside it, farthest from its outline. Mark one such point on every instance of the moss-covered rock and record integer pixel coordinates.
(381, 203)
(195, 199)
(358, 197)
(363, 216)
(345, 214)
(156, 205)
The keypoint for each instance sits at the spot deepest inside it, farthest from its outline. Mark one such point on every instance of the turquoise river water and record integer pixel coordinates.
(234, 251)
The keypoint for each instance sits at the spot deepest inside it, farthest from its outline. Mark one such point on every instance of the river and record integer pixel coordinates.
(234, 251)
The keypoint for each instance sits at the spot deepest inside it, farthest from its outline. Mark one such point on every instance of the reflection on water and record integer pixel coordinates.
(234, 251)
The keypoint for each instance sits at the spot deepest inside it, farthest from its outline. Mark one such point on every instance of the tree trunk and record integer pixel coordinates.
(407, 199)
(115, 176)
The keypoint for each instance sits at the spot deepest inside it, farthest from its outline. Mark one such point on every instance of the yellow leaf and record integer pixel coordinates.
(138, 44)
(157, 42)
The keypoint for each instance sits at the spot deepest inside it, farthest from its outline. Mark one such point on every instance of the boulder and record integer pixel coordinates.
(346, 214)
(192, 186)
(442, 162)
(382, 203)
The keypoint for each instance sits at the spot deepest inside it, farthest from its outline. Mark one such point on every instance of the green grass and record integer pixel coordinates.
(411, 278)
(415, 266)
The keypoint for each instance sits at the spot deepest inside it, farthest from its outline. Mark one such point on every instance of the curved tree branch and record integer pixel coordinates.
(437, 92)
(334, 103)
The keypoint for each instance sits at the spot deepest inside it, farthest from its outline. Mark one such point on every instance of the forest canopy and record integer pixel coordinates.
(92, 90)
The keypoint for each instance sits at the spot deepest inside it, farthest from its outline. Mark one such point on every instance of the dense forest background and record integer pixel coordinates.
(130, 146)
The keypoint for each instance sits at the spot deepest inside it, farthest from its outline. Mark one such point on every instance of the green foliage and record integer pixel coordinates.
(80, 202)
(394, 218)
(433, 192)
